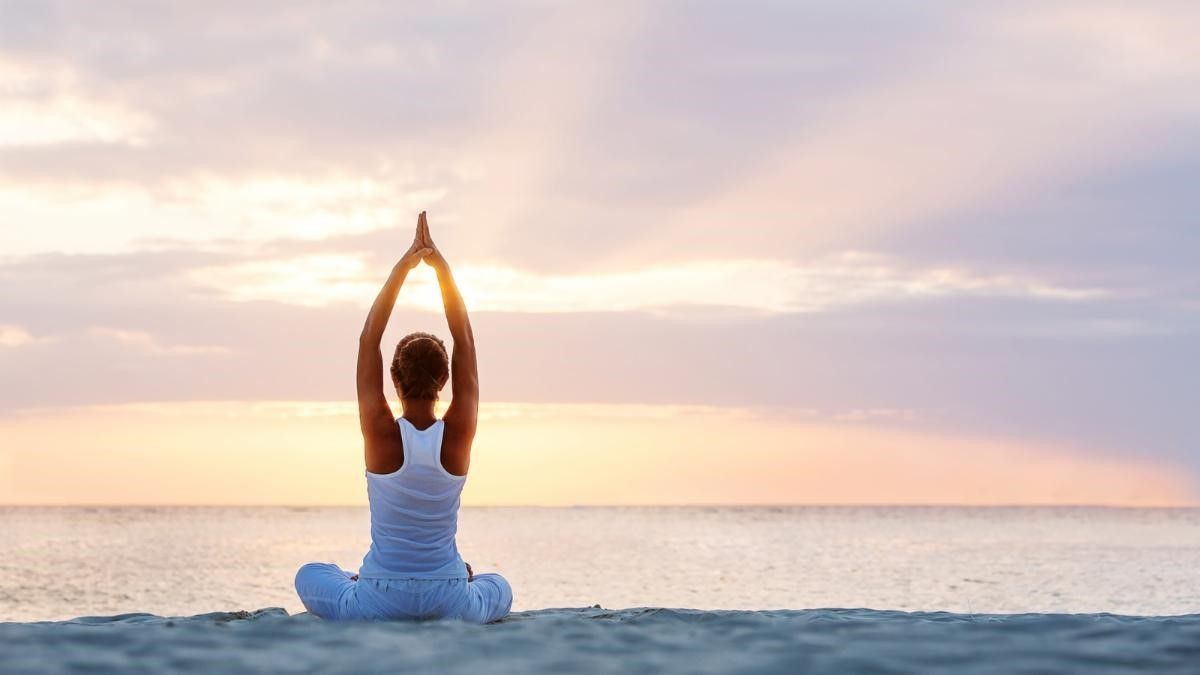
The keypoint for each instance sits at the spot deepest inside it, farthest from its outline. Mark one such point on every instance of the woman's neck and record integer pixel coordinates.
(419, 412)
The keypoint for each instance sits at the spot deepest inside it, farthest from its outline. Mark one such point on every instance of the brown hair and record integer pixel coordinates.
(420, 367)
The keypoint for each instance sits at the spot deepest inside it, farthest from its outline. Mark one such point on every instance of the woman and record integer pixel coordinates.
(416, 467)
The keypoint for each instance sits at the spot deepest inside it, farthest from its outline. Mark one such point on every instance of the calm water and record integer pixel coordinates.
(65, 562)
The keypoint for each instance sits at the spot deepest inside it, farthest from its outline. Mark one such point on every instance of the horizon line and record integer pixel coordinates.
(746, 505)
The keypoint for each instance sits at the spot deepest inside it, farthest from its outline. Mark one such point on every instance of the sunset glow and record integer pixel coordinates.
(307, 453)
(772, 254)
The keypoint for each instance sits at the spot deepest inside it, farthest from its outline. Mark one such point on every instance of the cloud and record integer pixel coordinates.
(993, 361)
(889, 414)
(40, 104)
(773, 286)
(151, 345)
(12, 337)
(205, 209)
(544, 138)
(962, 126)
(68, 120)
(1137, 42)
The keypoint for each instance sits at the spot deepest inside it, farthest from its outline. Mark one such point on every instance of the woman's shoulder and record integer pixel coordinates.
(457, 439)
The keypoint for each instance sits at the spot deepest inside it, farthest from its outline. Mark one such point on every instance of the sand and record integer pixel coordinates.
(595, 640)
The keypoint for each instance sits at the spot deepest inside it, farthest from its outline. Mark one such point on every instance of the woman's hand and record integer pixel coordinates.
(434, 256)
(419, 249)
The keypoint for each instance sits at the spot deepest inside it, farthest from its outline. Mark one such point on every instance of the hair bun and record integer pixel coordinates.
(420, 367)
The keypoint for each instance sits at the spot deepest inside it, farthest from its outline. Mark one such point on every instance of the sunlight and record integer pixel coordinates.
(767, 286)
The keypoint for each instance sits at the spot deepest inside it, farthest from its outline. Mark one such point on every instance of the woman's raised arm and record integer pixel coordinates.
(381, 440)
(463, 413)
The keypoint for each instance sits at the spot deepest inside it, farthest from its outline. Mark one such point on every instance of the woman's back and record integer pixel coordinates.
(414, 512)
(413, 570)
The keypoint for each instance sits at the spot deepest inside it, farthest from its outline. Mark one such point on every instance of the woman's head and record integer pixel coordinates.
(420, 367)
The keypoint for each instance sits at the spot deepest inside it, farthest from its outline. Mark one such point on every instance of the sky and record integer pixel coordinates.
(786, 253)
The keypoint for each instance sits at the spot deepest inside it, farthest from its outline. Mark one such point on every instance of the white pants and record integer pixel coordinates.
(329, 592)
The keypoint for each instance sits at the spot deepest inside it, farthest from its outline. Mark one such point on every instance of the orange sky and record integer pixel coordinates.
(310, 453)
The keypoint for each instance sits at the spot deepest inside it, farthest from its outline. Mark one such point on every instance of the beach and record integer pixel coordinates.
(595, 640)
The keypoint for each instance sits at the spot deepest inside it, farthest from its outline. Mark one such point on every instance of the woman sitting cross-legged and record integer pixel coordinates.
(416, 466)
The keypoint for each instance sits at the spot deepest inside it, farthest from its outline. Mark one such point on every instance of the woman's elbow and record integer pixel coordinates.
(370, 336)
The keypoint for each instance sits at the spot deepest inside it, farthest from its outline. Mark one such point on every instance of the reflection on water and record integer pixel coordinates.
(66, 562)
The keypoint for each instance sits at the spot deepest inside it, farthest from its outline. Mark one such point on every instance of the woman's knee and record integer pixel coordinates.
(309, 572)
(506, 591)
(498, 598)
(321, 587)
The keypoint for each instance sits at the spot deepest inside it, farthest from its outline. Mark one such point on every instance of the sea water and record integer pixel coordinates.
(64, 562)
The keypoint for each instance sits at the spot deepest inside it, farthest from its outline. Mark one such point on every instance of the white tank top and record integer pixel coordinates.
(414, 513)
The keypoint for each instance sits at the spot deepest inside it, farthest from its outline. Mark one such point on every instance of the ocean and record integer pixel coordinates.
(65, 562)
